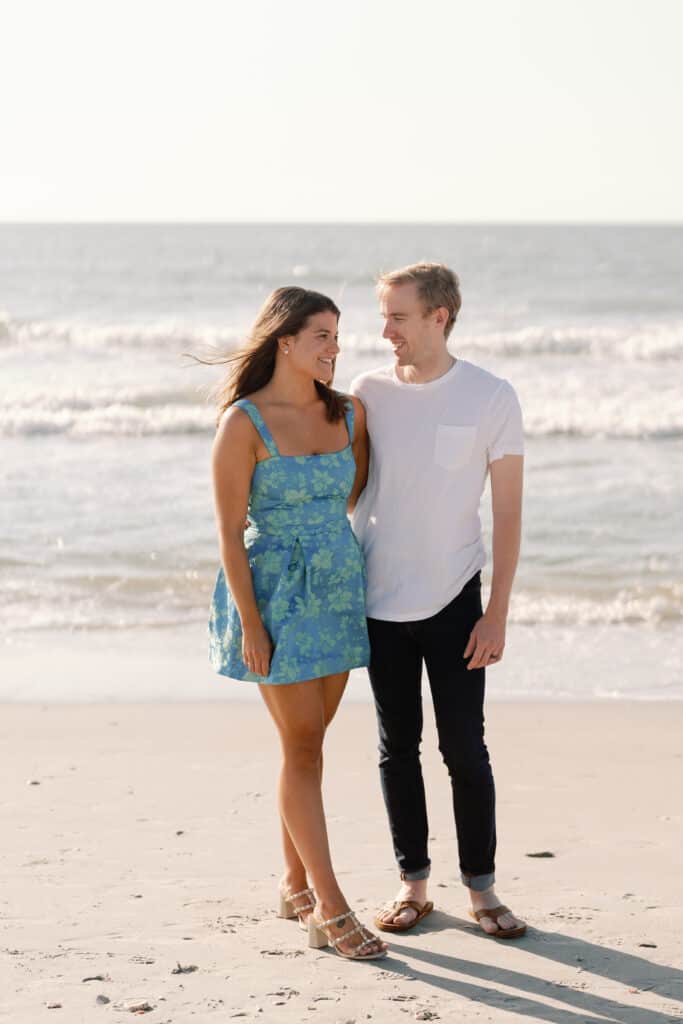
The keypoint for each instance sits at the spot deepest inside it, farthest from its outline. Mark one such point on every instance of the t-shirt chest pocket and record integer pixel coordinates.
(453, 446)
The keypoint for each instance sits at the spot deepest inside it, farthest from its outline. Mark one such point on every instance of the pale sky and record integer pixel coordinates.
(358, 110)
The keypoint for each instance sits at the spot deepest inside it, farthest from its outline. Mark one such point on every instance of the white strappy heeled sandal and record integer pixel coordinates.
(287, 909)
(319, 936)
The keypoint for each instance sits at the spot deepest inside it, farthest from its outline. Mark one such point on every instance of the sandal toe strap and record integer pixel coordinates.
(493, 912)
(347, 935)
(357, 929)
(367, 942)
(360, 929)
(391, 907)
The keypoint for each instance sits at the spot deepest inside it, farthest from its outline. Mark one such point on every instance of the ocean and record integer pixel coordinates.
(106, 520)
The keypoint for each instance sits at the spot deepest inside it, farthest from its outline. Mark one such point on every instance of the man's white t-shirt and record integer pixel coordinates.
(430, 448)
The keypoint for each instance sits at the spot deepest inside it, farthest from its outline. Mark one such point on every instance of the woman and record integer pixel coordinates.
(288, 611)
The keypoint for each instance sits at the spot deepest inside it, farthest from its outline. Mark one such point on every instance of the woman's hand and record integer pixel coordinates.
(257, 648)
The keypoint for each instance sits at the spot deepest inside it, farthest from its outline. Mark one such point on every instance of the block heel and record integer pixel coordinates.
(286, 910)
(317, 939)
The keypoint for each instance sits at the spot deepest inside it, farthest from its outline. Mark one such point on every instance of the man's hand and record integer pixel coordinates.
(487, 642)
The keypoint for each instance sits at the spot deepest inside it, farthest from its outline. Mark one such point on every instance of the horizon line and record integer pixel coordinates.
(345, 223)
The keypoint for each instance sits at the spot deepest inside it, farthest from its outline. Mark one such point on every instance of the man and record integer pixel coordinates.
(438, 425)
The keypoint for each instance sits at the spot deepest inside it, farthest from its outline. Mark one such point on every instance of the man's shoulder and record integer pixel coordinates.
(378, 378)
(477, 374)
(485, 383)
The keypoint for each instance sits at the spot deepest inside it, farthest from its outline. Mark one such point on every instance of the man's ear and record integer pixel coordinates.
(441, 316)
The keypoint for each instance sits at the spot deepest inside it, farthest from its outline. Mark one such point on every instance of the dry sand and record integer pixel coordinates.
(150, 839)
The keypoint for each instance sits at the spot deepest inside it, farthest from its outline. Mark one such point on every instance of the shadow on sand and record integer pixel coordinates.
(581, 1006)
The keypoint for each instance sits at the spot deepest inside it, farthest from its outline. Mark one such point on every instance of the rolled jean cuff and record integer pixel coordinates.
(478, 882)
(415, 876)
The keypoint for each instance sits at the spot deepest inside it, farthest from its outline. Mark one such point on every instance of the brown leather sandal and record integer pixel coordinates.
(494, 913)
(396, 906)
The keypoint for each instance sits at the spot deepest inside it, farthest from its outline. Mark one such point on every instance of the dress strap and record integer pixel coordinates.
(259, 422)
(349, 416)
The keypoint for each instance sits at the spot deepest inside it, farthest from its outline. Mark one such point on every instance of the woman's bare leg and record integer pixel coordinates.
(299, 711)
(294, 877)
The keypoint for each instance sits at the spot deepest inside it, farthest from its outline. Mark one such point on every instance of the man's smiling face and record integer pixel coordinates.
(413, 332)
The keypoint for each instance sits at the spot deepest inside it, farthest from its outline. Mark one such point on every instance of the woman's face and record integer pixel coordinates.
(314, 349)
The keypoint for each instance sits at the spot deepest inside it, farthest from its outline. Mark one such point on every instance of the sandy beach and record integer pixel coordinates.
(140, 840)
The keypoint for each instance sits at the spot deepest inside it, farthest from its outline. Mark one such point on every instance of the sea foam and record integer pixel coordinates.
(550, 410)
(643, 342)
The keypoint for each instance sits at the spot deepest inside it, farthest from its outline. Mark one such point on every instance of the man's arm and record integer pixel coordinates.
(487, 640)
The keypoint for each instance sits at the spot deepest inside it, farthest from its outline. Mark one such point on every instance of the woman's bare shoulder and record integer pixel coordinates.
(234, 428)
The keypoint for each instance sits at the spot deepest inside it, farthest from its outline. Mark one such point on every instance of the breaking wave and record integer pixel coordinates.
(146, 412)
(653, 342)
(48, 335)
(171, 599)
(638, 605)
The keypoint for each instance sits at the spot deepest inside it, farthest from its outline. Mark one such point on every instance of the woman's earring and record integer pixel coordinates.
(286, 351)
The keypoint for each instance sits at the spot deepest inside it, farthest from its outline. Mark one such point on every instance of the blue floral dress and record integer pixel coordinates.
(306, 564)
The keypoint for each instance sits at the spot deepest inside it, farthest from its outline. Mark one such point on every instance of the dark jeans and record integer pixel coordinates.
(398, 650)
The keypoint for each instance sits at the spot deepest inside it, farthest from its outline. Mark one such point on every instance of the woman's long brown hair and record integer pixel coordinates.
(284, 313)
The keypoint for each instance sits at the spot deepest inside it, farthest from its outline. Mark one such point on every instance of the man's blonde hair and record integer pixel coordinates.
(437, 285)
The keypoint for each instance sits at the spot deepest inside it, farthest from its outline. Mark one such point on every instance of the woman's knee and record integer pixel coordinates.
(303, 746)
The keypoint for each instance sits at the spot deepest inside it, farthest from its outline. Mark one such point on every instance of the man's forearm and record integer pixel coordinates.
(506, 543)
(506, 500)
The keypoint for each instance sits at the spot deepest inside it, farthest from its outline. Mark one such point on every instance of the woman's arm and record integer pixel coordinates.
(361, 453)
(233, 462)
